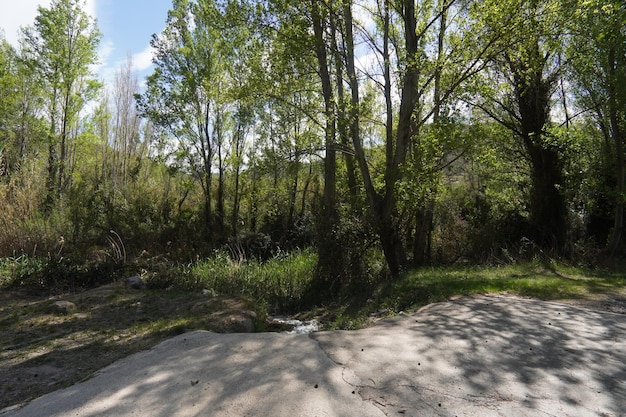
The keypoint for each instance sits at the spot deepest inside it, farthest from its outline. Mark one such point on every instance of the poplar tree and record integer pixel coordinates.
(62, 48)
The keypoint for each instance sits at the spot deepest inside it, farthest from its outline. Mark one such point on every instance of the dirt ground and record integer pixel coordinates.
(42, 350)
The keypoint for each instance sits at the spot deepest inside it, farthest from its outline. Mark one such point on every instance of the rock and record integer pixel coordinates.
(135, 282)
(238, 324)
(62, 307)
(209, 292)
(235, 322)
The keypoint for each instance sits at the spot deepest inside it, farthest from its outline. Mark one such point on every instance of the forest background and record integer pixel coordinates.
(322, 146)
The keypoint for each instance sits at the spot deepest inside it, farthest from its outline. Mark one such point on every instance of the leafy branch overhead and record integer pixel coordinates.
(382, 134)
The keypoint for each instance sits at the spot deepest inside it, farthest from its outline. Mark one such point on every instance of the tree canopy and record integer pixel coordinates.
(384, 134)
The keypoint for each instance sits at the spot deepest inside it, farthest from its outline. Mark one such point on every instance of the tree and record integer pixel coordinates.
(407, 30)
(597, 54)
(525, 76)
(11, 152)
(62, 47)
(182, 95)
(126, 125)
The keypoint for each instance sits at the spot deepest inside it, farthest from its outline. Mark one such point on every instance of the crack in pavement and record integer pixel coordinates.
(435, 362)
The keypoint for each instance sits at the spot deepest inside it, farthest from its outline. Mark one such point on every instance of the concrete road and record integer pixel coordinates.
(476, 356)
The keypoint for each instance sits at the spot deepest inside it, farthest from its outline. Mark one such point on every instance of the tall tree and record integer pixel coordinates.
(597, 54)
(182, 95)
(10, 152)
(126, 124)
(62, 46)
(404, 40)
(526, 76)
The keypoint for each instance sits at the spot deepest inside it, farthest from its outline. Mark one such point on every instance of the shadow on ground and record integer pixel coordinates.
(41, 351)
(484, 355)
(494, 355)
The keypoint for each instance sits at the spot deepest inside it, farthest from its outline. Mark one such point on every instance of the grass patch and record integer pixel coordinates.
(544, 281)
(419, 287)
(280, 282)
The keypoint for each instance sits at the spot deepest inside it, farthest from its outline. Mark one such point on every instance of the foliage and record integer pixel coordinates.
(342, 142)
(279, 282)
(54, 275)
(547, 281)
(61, 49)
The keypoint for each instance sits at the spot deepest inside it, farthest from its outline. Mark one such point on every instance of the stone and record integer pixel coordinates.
(209, 292)
(135, 282)
(62, 307)
(240, 324)
(235, 322)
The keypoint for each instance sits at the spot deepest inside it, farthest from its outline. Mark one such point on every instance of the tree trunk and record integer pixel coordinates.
(206, 176)
(616, 133)
(254, 195)
(548, 210)
(425, 211)
(343, 120)
(208, 215)
(423, 232)
(389, 233)
(329, 137)
(293, 193)
(64, 134)
(329, 252)
(236, 197)
(51, 181)
(220, 179)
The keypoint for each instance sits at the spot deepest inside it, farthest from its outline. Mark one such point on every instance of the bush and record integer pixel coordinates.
(54, 275)
(279, 282)
(24, 229)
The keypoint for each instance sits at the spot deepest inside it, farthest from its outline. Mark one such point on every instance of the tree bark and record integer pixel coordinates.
(390, 235)
(424, 214)
(239, 145)
(331, 257)
(616, 132)
(329, 131)
(548, 210)
(343, 120)
(220, 212)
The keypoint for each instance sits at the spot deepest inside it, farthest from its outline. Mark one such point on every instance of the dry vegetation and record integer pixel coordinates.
(42, 351)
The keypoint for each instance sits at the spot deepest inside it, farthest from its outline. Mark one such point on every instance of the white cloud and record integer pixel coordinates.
(105, 51)
(143, 60)
(109, 67)
(91, 7)
(22, 13)
(18, 14)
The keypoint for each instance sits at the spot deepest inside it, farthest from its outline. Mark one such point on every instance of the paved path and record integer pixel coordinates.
(476, 356)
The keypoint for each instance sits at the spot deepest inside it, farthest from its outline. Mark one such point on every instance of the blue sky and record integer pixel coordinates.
(126, 26)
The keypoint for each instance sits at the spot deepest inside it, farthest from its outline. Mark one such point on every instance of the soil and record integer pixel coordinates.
(43, 349)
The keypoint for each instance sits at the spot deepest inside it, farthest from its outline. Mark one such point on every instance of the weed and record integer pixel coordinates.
(280, 282)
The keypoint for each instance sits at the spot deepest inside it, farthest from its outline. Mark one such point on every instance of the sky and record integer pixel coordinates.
(126, 26)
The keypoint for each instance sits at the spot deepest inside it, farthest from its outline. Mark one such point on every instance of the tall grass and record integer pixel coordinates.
(279, 283)
(23, 228)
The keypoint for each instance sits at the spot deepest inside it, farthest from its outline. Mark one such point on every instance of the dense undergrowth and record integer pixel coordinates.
(282, 284)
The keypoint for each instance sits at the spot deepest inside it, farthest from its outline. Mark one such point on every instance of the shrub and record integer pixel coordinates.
(280, 282)
(54, 275)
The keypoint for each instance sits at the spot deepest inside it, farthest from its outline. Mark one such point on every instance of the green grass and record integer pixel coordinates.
(419, 287)
(280, 282)
(544, 281)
